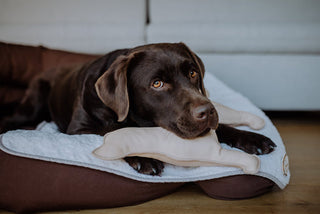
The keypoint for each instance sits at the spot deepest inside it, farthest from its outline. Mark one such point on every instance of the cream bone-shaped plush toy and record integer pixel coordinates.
(163, 145)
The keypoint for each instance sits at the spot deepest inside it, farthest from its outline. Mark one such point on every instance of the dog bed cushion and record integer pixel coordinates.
(20, 63)
(31, 184)
(42, 144)
(47, 143)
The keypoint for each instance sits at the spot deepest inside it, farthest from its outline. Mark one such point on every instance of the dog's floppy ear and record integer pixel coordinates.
(202, 70)
(200, 64)
(111, 87)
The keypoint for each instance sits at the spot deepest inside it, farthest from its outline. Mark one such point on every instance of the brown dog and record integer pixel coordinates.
(150, 85)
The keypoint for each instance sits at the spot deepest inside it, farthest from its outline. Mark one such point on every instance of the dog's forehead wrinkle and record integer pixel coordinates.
(153, 67)
(165, 57)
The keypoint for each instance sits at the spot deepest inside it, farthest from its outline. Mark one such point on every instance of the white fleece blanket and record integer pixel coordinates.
(47, 143)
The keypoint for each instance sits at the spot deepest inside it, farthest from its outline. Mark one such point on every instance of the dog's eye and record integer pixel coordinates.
(157, 84)
(193, 74)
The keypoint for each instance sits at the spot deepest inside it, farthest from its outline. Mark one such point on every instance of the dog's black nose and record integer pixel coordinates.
(203, 112)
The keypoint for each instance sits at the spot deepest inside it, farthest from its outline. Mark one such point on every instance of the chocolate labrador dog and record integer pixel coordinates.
(150, 85)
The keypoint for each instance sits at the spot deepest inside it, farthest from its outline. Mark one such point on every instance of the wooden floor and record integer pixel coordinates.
(302, 195)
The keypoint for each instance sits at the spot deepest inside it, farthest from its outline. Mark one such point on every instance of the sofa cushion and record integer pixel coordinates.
(95, 26)
(237, 26)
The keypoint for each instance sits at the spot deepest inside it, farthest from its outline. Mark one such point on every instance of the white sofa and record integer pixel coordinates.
(269, 50)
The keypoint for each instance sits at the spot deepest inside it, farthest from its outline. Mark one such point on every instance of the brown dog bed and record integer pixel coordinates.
(28, 185)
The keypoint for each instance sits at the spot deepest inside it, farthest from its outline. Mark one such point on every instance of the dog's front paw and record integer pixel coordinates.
(253, 143)
(146, 166)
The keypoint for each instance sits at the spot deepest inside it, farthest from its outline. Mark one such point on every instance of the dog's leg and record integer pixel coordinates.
(82, 123)
(146, 166)
(249, 142)
(32, 109)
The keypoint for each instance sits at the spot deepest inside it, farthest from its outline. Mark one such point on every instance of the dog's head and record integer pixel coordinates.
(159, 85)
